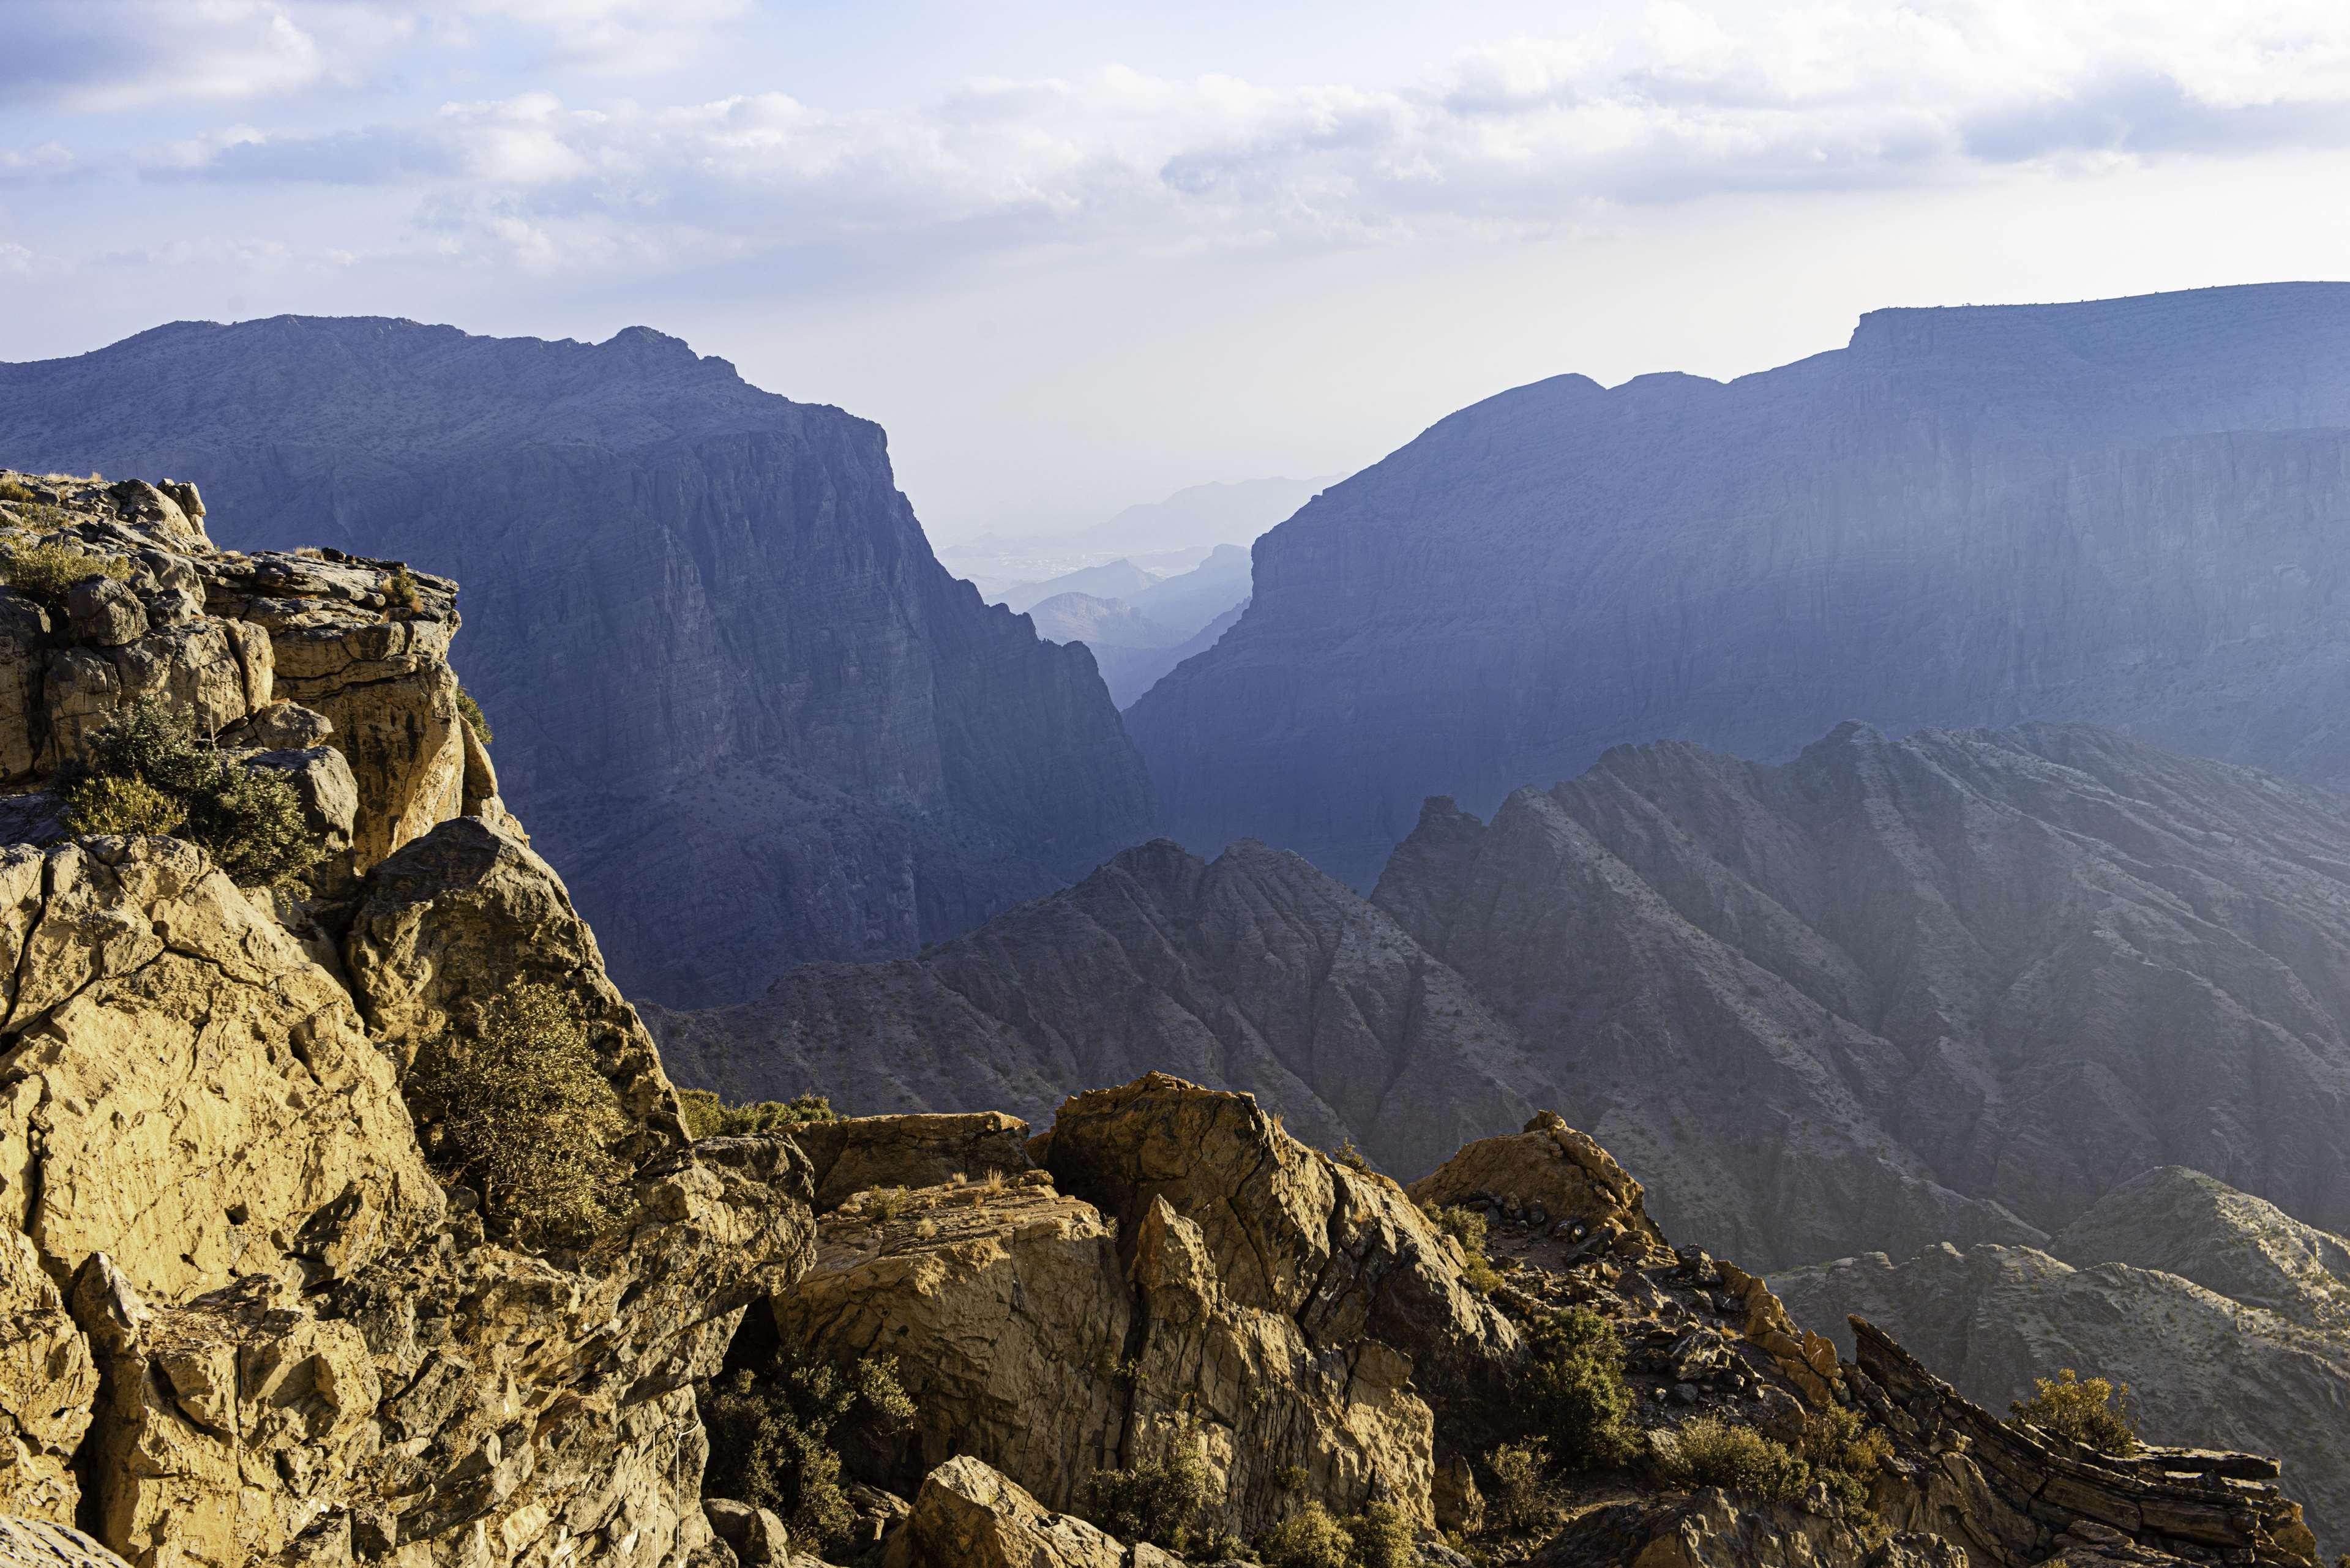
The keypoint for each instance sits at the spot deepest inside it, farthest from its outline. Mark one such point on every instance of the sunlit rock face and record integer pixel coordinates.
(747, 715)
(2130, 512)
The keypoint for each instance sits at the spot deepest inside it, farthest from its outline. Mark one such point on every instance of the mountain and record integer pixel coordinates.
(2225, 1317)
(1164, 536)
(747, 714)
(1131, 671)
(2134, 512)
(1099, 623)
(1191, 600)
(1120, 579)
(1953, 988)
(1253, 973)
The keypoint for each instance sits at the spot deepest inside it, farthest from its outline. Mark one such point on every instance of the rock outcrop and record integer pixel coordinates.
(2221, 1314)
(2126, 512)
(747, 715)
(1254, 972)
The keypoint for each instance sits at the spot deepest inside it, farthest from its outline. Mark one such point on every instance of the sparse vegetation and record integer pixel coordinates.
(884, 1204)
(249, 820)
(774, 1435)
(46, 570)
(1314, 1537)
(1520, 1497)
(2092, 1410)
(707, 1116)
(1353, 1158)
(1846, 1453)
(521, 1111)
(1467, 1227)
(470, 712)
(15, 490)
(400, 589)
(1575, 1396)
(1710, 1451)
(1159, 1501)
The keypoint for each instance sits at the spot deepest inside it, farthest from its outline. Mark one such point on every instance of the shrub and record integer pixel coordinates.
(1353, 1158)
(470, 712)
(1575, 1395)
(249, 820)
(707, 1116)
(884, 1204)
(399, 589)
(1844, 1451)
(1312, 1537)
(1159, 1501)
(1520, 1494)
(1710, 1451)
(2087, 1410)
(46, 570)
(1467, 1227)
(774, 1435)
(124, 806)
(13, 490)
(526, 1115)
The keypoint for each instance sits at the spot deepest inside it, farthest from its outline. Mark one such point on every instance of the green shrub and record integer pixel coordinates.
(1846, 1452)
(1353, 1158)
(1710, 1451)
(1467, 1227)
(774, 1434)
(1159, 1501)
(524, 1113)
(124, 806)
(249, 820)
(707, 1116)
(1520, 1496)
(1312, 1537)
(2087, 1410)
(470, 712)
(46, 571)
(15, 490)
(400, 589)
(1574, 1387)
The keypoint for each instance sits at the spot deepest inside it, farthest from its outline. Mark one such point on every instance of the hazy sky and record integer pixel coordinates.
(1075, 256)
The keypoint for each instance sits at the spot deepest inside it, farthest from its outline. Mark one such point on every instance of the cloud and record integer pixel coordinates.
(109, 56)
(1659, 102)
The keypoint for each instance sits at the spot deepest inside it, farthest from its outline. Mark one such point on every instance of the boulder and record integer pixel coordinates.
(39, 1543)
(101, 612)
(755, 1535)
(969, 1516)
(1552, 1166)
(47, 1382)
(184, 1089)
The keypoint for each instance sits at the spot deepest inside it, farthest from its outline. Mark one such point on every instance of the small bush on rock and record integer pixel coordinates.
(249, 820)
(1710, 1451)
(1846, 1452)
(1520, 1497)
(2090, 1410)
(774, 1436)
(707, 1116)
(470, 712)
(1467, 1227)
(1159, 1501)
(47, 571)
(15, 490)
(400, 589)
(1314, 1537)
(1574, 1387)
(525, 1114)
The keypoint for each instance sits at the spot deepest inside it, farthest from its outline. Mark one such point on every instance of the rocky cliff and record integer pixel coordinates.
(744, 711)
(2130, 512)
(2225, 1316)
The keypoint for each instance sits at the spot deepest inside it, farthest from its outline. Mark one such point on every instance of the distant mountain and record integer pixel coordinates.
(2132, 512)
(1954, 988)
(1120, 579)
(1131, 671)
(1165, 536)
(746, 713)
(1099, 623)
(1188, 602)
(2229, 1319)
(1256, 972)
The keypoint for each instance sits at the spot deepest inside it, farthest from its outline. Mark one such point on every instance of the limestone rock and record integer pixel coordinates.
(1574, 1181)
(183, 1090)
(969, 1516)
(103, 613)
(855, 1153)
(47, 1383)
(39, 1543)
(447, 925)
(755, 1534)
(1000, 1301)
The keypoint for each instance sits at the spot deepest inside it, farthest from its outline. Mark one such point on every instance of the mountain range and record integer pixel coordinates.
(2133, 512)
(749, 716)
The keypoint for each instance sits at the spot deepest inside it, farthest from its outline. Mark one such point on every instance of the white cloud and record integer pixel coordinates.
(1662, 102)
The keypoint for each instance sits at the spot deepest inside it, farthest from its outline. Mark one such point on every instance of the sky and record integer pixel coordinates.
(1075, 256)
